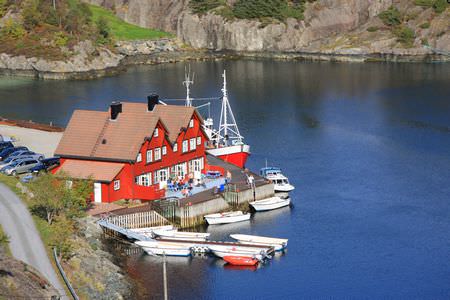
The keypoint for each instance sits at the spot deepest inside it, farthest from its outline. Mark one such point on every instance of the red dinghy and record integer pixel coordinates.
(240, 260)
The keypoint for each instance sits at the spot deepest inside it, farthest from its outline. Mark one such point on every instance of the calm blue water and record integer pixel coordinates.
(366, 145)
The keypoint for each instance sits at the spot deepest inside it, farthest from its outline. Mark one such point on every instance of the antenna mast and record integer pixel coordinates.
(187, 83)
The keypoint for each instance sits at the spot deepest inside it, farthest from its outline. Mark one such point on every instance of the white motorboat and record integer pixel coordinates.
(270, 203)
(164, 248)
(278, 244)
(230, 250)
(227, 217)
(180, 235)
(149, 231)
(281, 182)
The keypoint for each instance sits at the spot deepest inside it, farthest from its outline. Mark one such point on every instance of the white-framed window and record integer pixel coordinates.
(156, 133)
(191, 123)
(192, 144)
(157, 153)
(199, 140)
(185, 146)
(161, 175)
(175, 147)
(116, 185)
(180, 169)
(139, 157)
(164, 150)
(196, 165)
(149, 156)
(144, 179)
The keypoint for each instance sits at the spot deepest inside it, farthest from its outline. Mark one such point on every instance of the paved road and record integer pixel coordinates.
(26, 244)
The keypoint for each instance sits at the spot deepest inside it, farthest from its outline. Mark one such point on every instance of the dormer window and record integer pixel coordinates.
(191, 123)
(175, 147)
(156, 133)
(164, 150)
(139, 157)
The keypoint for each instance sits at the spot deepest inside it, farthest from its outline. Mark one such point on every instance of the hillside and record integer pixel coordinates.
(354, 27)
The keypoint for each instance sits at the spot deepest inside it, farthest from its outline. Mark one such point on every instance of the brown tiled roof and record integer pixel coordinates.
(91, 134)
(85, 169)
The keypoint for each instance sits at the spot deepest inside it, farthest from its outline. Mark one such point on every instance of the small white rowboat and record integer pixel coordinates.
(278, 244)
(270, 203)
(180, 235)
(227, 217)
(164, 248)
(225, 250)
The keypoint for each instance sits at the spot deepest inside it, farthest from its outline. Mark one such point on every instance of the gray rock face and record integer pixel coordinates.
(329, 25)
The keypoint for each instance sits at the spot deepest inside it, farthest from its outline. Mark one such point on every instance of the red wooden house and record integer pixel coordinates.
(132, 149)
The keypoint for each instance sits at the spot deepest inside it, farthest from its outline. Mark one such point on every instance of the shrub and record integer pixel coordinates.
(424, 3)
(440, 6)
(425, 25)
(405, 36)
(391, 17)
(203, 6)
(61, 39)
(4, 239)
(254, 9)
(372, 29)
(12, 29)
(425, 42)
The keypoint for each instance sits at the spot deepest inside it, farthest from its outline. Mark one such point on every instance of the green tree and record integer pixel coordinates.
(49, 194)
(253, 9)
(103, 27)
(62, 230)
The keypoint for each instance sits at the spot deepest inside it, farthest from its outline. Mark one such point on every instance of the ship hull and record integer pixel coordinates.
(236, 155)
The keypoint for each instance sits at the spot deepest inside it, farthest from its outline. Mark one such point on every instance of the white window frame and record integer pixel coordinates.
(117, 184)
(156, 132)
(157, 154)
(149, 156)
(180, 169)
(199, 140)
(191, 123)
(164, 150)
(139, 157)
(144, 179)
(196, 165)
(192, 144)
(185, 146)
(161, 175)
(175, 147)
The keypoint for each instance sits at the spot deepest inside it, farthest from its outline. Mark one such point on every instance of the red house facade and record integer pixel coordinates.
(131, 150)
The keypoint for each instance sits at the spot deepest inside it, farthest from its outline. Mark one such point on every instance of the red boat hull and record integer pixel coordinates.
(240, 260)
(236, 155)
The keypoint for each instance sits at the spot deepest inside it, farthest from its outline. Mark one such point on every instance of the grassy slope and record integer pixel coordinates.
(122, 30)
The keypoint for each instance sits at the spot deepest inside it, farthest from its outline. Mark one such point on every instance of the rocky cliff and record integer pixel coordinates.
(348, 27)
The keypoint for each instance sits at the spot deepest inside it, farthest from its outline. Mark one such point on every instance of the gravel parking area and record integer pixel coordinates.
(36, 140)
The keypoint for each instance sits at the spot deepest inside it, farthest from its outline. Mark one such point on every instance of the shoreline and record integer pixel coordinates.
(184, 55)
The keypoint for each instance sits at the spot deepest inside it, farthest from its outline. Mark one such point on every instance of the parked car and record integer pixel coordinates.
(4, 145)
(22, 166)
(5, 152)
(23, 153)
(46, 164)
(11, 160)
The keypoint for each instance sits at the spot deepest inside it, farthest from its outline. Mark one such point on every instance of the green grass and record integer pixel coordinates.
(122, 30)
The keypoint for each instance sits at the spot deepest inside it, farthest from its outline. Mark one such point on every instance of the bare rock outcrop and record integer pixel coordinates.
(329, 26)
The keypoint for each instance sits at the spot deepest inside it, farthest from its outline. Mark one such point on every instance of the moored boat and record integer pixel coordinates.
(164, 248)
(180, 235)
(278, 244)
(240, 260)
(230, 250)
(280, 182)
(227, 217)
(270, 203)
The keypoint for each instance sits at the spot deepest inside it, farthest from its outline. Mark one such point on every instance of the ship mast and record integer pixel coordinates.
(228, 129)
(187, 83)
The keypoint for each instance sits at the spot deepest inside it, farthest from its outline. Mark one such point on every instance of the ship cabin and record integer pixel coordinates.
(131, 150)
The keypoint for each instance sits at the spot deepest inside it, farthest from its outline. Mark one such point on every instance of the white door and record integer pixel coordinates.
(97, 192)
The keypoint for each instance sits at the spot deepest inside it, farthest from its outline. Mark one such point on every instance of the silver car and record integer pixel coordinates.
(21, 166)
(11, 160)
